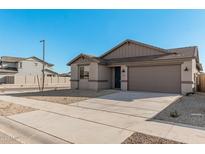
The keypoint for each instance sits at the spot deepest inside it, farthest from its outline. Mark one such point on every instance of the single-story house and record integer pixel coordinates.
(136, 66)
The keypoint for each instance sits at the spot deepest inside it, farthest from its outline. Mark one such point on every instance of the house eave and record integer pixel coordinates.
(176, 60)
(91, 58)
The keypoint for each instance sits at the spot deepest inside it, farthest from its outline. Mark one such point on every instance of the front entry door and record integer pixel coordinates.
(117, 77)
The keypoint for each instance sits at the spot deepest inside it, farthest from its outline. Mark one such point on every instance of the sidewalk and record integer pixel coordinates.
(83, 125)
(25, 134)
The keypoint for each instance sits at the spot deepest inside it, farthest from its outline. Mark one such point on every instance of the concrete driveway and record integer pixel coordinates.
(107, 119)
(137, 104)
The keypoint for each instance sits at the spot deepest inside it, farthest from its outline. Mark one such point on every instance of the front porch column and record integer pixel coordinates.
(124, 80)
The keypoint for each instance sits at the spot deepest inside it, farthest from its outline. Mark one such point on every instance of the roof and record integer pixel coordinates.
(18, 59)
(184, 52)
(90, 57)
(11, 59)
(168, 54)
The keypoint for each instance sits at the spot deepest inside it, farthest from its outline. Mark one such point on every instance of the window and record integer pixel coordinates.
(84, 72)
(20, 65)
(81, 72)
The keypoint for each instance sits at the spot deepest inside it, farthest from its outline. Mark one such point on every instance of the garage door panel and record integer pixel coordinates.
(155, 78)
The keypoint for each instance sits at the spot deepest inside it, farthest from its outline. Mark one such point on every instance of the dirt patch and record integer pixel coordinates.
(7, 109)
(190, 110)
(140, 138)
(65, 97)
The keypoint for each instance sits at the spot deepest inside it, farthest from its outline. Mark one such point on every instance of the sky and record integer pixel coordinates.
(70, 32)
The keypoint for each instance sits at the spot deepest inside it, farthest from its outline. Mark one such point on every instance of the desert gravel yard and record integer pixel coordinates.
(190, 110)
(140, 138)
(7, 109)
(65, 96)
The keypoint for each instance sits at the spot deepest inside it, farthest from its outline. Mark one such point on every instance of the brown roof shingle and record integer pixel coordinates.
(185, 52)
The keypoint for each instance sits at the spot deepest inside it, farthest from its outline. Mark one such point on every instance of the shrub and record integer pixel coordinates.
(174, 114)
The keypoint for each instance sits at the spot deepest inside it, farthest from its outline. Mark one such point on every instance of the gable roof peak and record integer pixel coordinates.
(40, 60)
(79, 56)
(135, 42)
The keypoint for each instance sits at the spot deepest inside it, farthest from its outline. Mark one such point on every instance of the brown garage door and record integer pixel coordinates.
(155, 78)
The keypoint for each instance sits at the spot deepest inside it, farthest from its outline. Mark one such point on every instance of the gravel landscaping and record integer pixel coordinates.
(65, 96)
(190, 110)
(139, 138)
(7, 109)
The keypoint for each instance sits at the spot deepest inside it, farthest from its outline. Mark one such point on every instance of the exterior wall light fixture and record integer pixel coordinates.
(123, 70)
(186, 69)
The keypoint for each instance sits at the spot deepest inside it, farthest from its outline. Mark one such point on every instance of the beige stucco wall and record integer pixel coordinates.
(196, 72)
(99, 76)
(93, 76)
(124, 80)
(188, 82)
(74, 70)
(74, 84)
(83, 84)
(29, 67)
(74, 76)
(104, 77)
(93, 73)
(113, 77)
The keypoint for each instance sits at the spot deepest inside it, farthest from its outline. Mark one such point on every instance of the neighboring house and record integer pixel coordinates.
(4, 73)
(23, 66)
(136, 66)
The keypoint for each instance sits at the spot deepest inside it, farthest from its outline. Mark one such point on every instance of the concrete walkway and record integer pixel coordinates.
(107, 119)
(22, 133)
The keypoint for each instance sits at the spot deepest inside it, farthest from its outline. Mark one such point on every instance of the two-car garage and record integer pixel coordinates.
(155, 78)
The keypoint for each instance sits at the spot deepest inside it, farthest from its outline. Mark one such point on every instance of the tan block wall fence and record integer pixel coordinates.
(35, 81)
